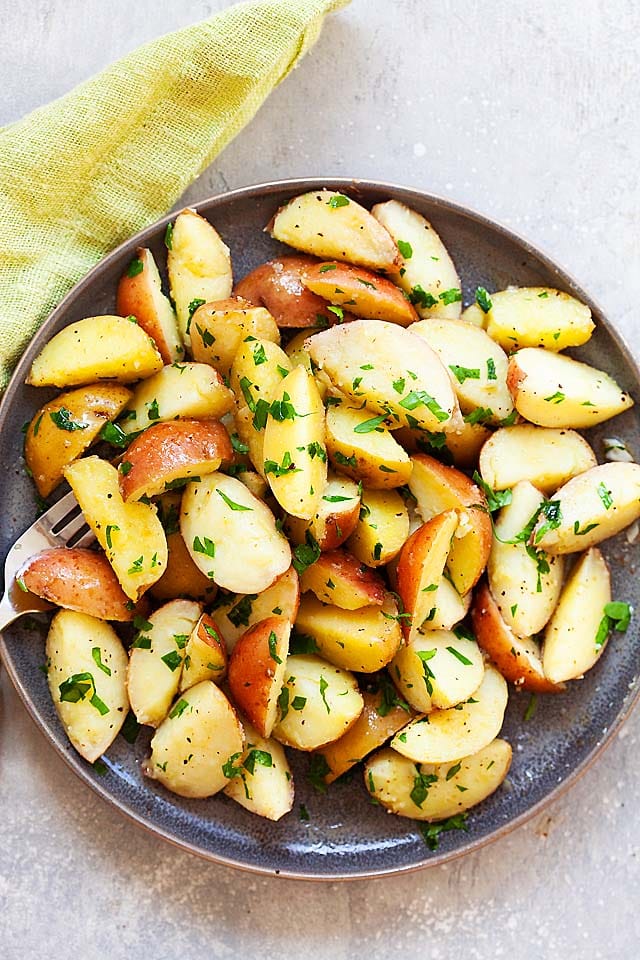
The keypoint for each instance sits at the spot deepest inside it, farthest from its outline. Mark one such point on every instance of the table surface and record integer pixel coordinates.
(527, 112)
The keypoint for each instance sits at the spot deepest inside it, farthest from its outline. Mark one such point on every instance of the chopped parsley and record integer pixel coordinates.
(179, 709)
(77, 687)
(616, 615)
(464, 373)
(96, 653)
(107, 534)
(172, 660)
(323, 691)
(421, 298)
(496, 499)
(460, 656)
(306, 554)
(135, 267)
(368, 426)
(451, 296)
(115, 435)
(168, 237)
(64, 421)
(551, 510)
(405, 249)
(483, 299)
(605, 496)
(431, 831)
(273, 641)
(421, 784)
(205, 546)
(231, 503)
(556, 397)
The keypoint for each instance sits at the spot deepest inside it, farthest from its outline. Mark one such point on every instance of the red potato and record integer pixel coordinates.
(237, 613)
(205, 655)
(256, 671)
(335, 519)
(338, 578)
(166, 452)
(140, 295)
(80, 580)
(278, 285)
(420, 568)
(367, 294)
(517, 658)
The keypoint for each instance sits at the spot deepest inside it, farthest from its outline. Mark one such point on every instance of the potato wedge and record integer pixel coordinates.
(438, 669)
(130, 534)
(545, 457)
(278, 287)
(517, 658)
(590, 508)
(168, 453)
(437, 488)
(478, 365)
(64, 428)
(231, 535)
(140, 295)
(459, 445)
(525, 583)
(335, 519)
(365, 293)
(318, 703)
(381, 717)
(79, 580)
(573, 641)
(194, 749)
(538, 317)
(552, 390)
(374, 457)
(334, 227)
(181, 579)
(262, 781)
(423, 395)
(300, 358)
(198, 264)
(364, 640)
(474, 314)
(182, 391)
(295, 456)
(257, 670)
(236, 614)
(382, 527)
(450, 608)
(86, 671)
(426, 271)
(338, 578)
(97, 348)
(205, 655)
(219, 328)
(448, 735)
(155, 661)
(436, 791)
(420, 568)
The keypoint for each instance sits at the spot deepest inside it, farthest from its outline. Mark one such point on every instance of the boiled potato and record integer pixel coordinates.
(478, 366)
(257, 670)
(474, 314)
(545, 457)
(236, 613)
(140, 295)
(205, 655)
(555, 391)
(436, 791)
(64, 428)
(336, 516)
(538, 317)
(382, 527)
(181, 578)
(447, 735)
(193, 750)
(130, 534)
(459, 445)
(86, 670)
(438, 669)
(450, 608)
(278, 286)
(427, 272)
(97, 348)
(231, 535)
(181, 391)
(573, 640)
(332, 226)
(420, 568)
(318, 703)
(295, 456)
(365, 293)
(373, 457)
(338, 578)
(198, 264)
(300, 358)
(155, 663)
(364, 640)
(402, 377)
(526, 583)
(262, 781)
(590, 508)
(219, 329)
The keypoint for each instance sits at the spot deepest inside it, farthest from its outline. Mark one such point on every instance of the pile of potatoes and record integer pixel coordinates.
(292, 482)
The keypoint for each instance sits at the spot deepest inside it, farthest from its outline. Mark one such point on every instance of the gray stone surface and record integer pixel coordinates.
(528, 112)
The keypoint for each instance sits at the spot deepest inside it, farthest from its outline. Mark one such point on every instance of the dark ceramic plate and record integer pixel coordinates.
(345, 836)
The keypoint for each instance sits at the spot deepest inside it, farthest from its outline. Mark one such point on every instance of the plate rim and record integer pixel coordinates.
(265, 189)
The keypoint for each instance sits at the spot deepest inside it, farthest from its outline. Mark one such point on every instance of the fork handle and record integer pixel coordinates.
(8, 612)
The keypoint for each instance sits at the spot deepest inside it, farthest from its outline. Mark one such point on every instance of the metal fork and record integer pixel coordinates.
(62, 525)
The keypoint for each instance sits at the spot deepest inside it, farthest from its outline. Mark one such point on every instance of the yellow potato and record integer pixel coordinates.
(459, 444)
(545, 457)
(140, 295)
(337, 578)
(474, 314)
(130, 534)
(437, 669)
(181, 578)
(86, 672)
(97, 348)
(300, 358)
(219, 329)
(373, 457)
(205, 655)
(450, 608)
(237, 613)
(420, 569)
(382, 528)
(336, 516)
(538, 317)
(262, 782)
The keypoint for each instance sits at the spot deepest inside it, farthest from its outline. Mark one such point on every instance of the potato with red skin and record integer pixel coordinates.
(238, 613)
(517, 658)
(336, 516)
(166, 452)
(420, 568)
(79, 579)
(181, 578)
(205, 655)
(256, 671)
(140, 295)
(278, 285)
(337, 577)
(366, 293)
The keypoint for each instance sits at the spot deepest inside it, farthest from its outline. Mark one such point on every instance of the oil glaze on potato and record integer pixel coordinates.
(238, 613)
(262, 781)
(205, 655)
(278, 286)
(140, 295)
(338, 578)
(181, 391)
(420, 569)
(365, 293)
(544, 456)
(335, 519)
(257, 669)
(218, 330)
(538, 317)
(375, 457)
(438, 669)
(382, 527)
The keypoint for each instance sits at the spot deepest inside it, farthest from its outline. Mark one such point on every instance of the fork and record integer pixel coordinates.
(62, 525)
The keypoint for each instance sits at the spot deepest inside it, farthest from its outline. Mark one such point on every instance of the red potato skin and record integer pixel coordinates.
(81, 580)
(342, 566)
(413, 556)
(338, 527)
(502, 646)
(252, 669)
(389, 301)
(164, 449)
(134, 299)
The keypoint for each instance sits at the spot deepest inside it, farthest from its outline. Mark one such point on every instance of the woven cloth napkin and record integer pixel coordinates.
(80, 175)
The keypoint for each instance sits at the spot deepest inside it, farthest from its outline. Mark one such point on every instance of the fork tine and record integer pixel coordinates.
(77, 525)
(85, 540)
(52, 517)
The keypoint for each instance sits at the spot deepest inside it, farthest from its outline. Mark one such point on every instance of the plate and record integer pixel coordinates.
(345, 836)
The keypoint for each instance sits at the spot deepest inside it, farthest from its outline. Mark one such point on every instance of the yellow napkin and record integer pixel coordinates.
(83, 173)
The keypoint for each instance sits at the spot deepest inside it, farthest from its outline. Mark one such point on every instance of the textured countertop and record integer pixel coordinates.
(527, 112)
